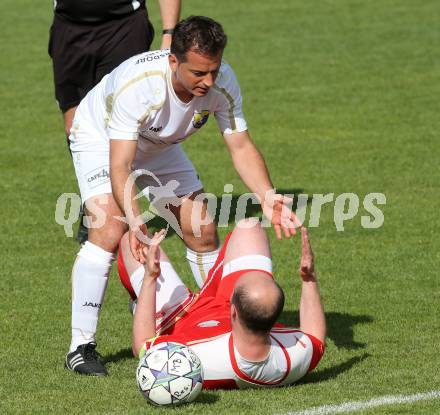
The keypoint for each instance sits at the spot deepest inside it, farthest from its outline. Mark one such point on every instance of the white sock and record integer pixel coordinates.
(89, 281)
(200, 263)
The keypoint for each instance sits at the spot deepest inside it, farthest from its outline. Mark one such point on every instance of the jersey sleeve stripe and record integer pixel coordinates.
(231, 106)
(111, 98)
(147, 113)
(138, 78)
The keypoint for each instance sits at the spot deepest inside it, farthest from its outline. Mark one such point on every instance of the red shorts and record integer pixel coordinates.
(213, 301)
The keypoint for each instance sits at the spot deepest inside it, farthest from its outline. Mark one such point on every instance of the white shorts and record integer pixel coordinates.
(90, 154)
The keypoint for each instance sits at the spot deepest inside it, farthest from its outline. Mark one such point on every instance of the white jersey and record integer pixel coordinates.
(137, 102)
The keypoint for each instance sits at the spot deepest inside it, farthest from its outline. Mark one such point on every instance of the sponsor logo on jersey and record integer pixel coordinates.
(98, 176)
(209, 323)
(151, 56)
(200, 118)
(155, 129)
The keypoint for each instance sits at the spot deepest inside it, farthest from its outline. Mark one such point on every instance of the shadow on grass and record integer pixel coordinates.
(123, 354)
(339, 327)
(228, 217)
(334, 371)
(207, 398)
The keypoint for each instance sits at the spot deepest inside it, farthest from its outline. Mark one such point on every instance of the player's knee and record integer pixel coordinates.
(108, 236)
(249, 224)
(250, 228)
(115, 230)
(206, 242)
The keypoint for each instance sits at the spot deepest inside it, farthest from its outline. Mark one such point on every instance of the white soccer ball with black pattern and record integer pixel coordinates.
(170, 374)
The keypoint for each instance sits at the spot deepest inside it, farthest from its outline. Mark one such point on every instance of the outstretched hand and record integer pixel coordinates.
(135, 237)
(307, 264)
(152, 255)
(278, 208)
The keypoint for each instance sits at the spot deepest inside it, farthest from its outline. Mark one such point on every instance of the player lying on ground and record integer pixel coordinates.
(231, 324)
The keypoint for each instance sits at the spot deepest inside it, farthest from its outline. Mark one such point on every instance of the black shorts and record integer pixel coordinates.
(83, 53)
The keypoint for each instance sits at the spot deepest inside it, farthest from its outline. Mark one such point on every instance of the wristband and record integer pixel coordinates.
(167, 31)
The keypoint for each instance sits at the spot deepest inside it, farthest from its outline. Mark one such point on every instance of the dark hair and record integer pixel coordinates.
(254, 316)
(201, 33)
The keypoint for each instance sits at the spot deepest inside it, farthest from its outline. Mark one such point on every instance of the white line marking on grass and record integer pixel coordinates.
(372, 403)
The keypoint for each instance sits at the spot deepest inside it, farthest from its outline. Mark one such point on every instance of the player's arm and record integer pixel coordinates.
(170, 13)
(144, 321)
(249, 163)
(122, 153)
(252, 169)
(311, 311)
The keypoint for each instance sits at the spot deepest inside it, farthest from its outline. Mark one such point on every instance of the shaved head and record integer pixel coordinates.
(258, 300)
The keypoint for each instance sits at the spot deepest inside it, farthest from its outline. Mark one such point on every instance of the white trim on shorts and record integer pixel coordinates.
(248, 262)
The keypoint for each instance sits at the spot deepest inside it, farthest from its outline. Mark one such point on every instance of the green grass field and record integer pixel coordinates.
(340, 96)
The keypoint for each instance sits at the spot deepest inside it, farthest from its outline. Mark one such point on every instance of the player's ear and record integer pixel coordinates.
(233, 312)
(172, 60)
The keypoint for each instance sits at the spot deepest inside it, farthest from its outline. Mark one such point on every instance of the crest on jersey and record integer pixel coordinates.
(200, 118)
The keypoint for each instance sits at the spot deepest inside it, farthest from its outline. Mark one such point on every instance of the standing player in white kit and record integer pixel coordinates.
(135, 118)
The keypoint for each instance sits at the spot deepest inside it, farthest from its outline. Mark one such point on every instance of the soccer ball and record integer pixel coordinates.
(170, 374)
